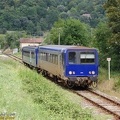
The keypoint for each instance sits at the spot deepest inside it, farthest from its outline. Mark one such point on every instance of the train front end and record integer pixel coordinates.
(81, 67)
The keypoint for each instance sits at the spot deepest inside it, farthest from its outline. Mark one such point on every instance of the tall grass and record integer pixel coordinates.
(51, 97)
(103, 75)
(19, 54)
(32, 97)
(114, 77)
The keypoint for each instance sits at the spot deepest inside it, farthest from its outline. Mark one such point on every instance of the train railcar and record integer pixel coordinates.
(30, 56)
(75, 65)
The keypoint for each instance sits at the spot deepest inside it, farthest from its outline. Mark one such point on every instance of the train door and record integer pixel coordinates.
(61, 64)
(71, 63)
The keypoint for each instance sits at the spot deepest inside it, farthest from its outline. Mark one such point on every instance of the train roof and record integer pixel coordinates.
(63, 47)
(32, 47)
(29, 47)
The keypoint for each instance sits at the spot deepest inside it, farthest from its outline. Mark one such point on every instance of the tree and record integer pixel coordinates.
(11, 38)
(70, 32)
(52, 16)
(2, 41)
(112, 8)
(75, 32)
(64, 15)
(17, 14)
(102, 36)
(30, 27)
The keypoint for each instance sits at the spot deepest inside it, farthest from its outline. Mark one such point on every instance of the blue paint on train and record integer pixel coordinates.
(81, 69)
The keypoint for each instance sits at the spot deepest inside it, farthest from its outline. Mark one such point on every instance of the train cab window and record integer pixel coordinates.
(87, 57)
(72, 57)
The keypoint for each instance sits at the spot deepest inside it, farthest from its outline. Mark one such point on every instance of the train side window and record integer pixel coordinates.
(26, 53)
(43, 56)
(46, 56)
(56, 59)
(72, 57)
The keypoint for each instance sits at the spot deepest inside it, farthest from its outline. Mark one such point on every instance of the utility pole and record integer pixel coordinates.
(59, 30)
(59, 38)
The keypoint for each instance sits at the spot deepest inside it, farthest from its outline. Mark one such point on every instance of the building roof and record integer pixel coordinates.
(86, 15)
(31, 40)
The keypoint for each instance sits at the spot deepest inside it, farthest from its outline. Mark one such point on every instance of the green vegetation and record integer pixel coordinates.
(116, 77)
(33, 97)
(113, 83)
(36, 16)
(47, 95)
(69, 32)
(11, 39)
(113, 13)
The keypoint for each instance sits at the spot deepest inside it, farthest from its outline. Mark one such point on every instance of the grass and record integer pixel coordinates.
(19, 54)
(111, 86)
(51, 97)
(114, 76)
(32, 97)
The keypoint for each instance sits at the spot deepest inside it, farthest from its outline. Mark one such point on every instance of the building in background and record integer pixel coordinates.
(30, 42)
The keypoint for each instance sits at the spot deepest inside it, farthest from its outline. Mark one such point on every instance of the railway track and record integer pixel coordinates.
(103, 101)
(14, 57)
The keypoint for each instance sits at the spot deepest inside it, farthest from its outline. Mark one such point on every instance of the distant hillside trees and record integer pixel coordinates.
(37, 16)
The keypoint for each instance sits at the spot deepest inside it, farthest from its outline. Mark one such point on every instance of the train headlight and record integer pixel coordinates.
(93, 72)
(89, 72)
(74, 72)
(70, 72)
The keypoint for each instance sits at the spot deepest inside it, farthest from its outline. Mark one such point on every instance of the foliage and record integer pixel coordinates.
(69, 32)
(13, 98)
(11, 39)
(51, 97)
(36, 16)
(117, 82)
(102, 36)
(2, 40)
(112, 8)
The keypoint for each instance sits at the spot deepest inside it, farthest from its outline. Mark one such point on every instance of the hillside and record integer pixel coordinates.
(36, 16)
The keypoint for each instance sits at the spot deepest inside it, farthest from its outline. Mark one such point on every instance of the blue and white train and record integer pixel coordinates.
(73, 65)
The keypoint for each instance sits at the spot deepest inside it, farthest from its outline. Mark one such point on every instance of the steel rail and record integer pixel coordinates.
(14, 57)
(105, 106)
